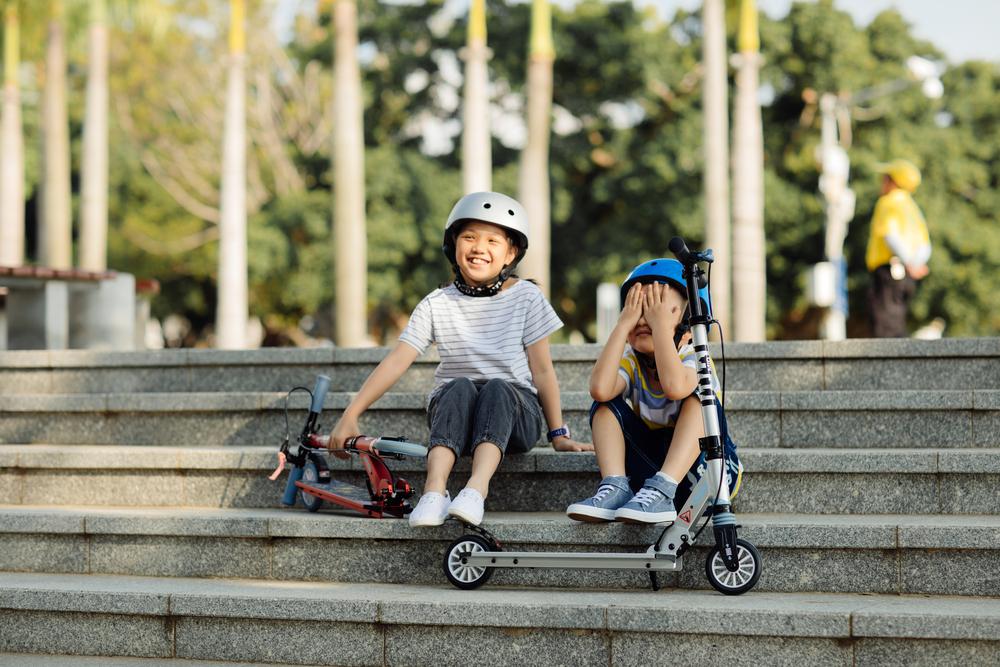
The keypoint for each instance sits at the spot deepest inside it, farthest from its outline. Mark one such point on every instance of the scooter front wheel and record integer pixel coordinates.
(310, 476)
(456, 566)
(743, 579)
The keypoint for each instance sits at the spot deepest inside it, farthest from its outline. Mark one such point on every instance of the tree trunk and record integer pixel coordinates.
(56, 227)
(716, 111)
(11, 149)
(350, 247)
(477, 158)
(232, 311)
(534, 177)
(94, 172)
(749, 281)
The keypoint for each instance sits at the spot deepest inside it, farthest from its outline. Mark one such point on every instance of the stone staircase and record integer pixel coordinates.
(137, 523)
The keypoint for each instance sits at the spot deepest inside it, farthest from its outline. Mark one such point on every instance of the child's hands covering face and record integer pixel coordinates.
(662, 307)
(632, 308)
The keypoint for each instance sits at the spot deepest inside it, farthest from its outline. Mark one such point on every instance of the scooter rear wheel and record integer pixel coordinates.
(743, 579)
(456, 567)
(310, 476)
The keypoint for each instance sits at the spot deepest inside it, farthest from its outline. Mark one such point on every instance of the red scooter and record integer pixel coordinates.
(310, 477)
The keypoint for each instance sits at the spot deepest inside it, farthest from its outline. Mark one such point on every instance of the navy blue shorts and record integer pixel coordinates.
(646, 450)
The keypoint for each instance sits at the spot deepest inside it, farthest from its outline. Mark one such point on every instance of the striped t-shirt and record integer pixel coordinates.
(482, 338)
(654, 408)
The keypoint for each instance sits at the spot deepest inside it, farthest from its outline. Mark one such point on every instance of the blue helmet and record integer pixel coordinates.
(664, 270)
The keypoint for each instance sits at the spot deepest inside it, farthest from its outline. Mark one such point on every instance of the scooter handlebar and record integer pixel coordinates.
(364, 443)
(680, 250)
(319, 393)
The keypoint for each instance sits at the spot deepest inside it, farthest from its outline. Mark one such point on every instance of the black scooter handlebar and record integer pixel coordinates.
(680, 250)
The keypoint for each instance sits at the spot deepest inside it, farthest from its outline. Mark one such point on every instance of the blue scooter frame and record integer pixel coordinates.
(733, 565)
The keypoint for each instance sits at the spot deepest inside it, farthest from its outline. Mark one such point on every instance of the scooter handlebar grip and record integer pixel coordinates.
(319, 393)
(411, 449)
(680, 249)
(294, 475)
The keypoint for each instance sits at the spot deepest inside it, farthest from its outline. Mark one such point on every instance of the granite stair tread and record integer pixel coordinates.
(542, 458)
(780, 614)
(963, 531)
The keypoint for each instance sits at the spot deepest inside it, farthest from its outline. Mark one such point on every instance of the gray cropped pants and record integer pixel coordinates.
(465, 413)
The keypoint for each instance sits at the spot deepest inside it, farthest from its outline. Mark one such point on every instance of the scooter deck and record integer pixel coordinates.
(351, 497)
(347, 490)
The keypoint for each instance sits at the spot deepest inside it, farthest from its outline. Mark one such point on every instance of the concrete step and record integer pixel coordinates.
(909, 554)
(383, 624)
(36, 660)
(954, 364)
(849, 419)
(808, 481)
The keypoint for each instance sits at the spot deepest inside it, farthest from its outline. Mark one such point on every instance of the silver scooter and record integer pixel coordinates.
(733, 565)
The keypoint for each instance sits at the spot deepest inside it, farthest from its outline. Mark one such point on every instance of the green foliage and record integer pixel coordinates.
(620, 190)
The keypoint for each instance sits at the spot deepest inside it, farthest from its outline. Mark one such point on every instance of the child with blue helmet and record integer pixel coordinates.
(646, 420)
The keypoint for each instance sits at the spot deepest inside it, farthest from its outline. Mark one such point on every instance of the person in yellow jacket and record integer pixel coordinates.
(898, 249)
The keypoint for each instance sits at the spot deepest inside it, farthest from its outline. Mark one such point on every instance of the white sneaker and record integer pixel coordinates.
(432, 510)
(467, 506)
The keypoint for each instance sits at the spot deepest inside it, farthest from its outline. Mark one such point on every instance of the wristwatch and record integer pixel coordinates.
(562, 431)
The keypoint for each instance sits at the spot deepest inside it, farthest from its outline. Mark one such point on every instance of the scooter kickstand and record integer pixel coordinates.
(654, 581)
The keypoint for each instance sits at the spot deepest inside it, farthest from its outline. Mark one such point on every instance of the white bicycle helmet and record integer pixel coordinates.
(494, 208)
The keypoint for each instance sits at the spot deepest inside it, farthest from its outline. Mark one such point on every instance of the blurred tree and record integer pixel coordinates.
(626, 155)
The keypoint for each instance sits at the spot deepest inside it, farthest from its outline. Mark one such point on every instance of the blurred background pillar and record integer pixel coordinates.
(349, 235)
(477, 156)
(533, 188)
(11, 146)
(55, 230)
(94, 170)
(232, 309)
(749, 266)
(715, 108)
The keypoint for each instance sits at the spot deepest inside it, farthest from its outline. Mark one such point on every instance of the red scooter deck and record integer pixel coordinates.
(351, 497)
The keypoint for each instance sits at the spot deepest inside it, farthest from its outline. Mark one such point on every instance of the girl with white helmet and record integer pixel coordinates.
(495, 385)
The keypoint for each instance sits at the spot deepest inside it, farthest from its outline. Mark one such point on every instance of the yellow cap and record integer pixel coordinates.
(903, 173)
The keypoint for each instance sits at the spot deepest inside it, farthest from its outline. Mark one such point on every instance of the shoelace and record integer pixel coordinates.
(647, 496)
(603, 492)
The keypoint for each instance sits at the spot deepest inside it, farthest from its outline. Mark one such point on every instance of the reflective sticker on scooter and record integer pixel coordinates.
(685, 516)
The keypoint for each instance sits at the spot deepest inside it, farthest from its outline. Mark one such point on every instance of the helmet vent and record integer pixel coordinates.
(486, 205)
(510, 212)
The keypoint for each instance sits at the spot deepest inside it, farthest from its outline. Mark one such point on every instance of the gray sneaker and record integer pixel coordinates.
(612, 493)
(651, 504)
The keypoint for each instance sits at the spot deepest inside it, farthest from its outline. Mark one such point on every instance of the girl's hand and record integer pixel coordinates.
(564, 444)
(632, 308)
(346, 427)
(662, 307)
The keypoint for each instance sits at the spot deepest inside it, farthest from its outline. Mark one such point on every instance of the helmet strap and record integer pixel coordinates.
(491, 288)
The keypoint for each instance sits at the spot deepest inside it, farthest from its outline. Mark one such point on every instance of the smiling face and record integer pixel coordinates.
(481, 250)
